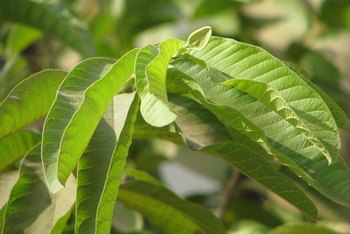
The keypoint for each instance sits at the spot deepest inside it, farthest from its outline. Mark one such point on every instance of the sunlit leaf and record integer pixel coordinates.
(81, 101)
(151, 70)
(239, 60)
(270, 97)
(198, 39)
(240, 151)
(29, 101)
(228, 58)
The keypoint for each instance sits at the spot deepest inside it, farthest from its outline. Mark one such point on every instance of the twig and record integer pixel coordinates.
(228, 192)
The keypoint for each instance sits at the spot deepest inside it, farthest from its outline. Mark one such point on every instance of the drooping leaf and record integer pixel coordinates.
(81, 101)
(211, 136)
(151, 68)
(14, 146)
(233, 120)
(29, 101)
(102, 165)
(251, 159)
(31, 207)
(166, 211)
(228, 58)
(54, 19)
(239, 60)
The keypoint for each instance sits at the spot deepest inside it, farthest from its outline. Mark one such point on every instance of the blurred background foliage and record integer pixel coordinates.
(312, 35)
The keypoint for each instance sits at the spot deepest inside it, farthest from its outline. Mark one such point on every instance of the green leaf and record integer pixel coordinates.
(19, 38)
(274, 100)
(102, 165)
(289, 144)
(31, 207)
(144, 131)
(301, 228)
(142, 176)
(166, 211)
(341, 118)
(203, 131)
(241, 152)
(54, 19)
(81, 101)
(14, 146)
(234, 121)
(29, 101)
(239, 60)
(151, 70)
(198, 39)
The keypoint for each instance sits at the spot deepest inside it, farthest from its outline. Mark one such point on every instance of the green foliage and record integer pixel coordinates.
(54, 19)
(72, 140)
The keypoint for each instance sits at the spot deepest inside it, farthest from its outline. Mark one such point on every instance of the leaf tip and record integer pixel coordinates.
(198, 39)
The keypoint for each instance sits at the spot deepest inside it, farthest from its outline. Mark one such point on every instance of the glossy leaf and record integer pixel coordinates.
(24, 211)
(151, 69)
(14, 146)
(166, 211)
(81, 101)
(54, 19)
(29, 101)
(102, 165)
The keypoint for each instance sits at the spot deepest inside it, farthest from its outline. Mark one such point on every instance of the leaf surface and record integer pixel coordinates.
(271, 98)
(224, 59)
(23, 212)
(29, 101)
(14, 146)
(250, 158)
(102, 165)
(239, 60)
(81, 101)
(151, 69)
